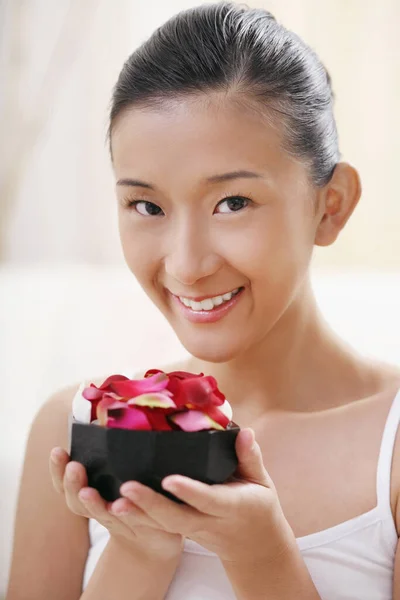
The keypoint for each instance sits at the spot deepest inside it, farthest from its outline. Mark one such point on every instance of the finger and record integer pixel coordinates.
(131, 515)
(75, 478)
(59, 459)
(250, 466)
(119, 516)
(215, 500)
(97, 508)
(168, 514)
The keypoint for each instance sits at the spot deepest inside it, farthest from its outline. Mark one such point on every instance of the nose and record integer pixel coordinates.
(191, 256)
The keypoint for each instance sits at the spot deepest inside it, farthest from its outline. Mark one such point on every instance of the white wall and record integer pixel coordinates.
(63, 203)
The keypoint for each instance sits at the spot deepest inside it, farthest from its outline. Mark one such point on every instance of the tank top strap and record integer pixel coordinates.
(386, 454)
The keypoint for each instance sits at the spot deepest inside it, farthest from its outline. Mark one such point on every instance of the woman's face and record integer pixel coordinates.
(209, 203)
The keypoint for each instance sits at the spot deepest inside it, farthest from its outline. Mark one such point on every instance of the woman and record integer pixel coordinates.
(228, 173)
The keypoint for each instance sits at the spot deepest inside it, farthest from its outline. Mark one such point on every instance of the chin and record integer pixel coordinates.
(204, 347)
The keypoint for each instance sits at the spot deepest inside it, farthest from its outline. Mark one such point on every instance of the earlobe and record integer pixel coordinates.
(337, 202)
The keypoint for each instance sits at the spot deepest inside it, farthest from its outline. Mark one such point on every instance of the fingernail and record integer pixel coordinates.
(55, 455)
(251, 437)
(83, 496)
(72, 475)
(120, 512)
(132, 493)
(169, 484)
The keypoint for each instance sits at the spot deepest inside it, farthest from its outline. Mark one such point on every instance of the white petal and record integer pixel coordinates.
(81, 408)
(226, 408)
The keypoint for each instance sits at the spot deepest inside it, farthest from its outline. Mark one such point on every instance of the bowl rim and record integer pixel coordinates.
(234, 427)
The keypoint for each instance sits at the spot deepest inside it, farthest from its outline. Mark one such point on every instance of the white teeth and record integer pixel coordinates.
(195, 305)
(208, 303)
(218, 300)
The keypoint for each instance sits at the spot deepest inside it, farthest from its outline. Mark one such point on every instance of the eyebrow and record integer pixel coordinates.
(213, 179)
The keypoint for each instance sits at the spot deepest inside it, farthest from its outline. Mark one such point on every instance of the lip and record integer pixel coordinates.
(207, 316)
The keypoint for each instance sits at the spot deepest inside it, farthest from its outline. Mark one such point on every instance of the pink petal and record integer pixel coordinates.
(194, 420)
(136, 387)
(153, 400)
(102, 409)
(128, 418)
(92, 393)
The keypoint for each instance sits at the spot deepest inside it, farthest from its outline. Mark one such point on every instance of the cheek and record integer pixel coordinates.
(271, 246)
(274, 257)
(140, 250)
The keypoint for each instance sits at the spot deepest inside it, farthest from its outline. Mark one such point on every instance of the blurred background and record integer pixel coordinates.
(69, 308)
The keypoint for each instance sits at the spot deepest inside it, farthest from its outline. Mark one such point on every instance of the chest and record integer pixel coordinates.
(324, 466)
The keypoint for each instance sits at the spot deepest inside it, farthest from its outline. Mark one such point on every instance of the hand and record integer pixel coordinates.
(241, 520)
(128, 524)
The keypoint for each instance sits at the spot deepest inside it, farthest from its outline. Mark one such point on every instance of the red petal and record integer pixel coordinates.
(112, 379)
(150, 372)
(216, 415)
(184, 374)
(202, 391)
(159, 420)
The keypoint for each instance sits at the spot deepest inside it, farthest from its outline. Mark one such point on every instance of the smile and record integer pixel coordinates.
(208, 310)
(208, 303)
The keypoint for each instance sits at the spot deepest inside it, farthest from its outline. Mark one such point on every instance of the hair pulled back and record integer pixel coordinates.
(246, 53)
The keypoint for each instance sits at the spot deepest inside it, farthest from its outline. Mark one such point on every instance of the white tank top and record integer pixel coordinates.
(349, 561)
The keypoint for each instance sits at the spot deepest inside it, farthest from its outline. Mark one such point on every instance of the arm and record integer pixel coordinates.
(285, 578)
(50, 542)
(120, 574)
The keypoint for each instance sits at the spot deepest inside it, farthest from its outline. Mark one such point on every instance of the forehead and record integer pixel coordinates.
(193, 137)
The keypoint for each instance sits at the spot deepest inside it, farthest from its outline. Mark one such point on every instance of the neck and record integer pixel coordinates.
(300, 365)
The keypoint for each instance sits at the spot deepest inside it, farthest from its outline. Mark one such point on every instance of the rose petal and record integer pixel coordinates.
(194, 420)
(201, 391)
(128, 418)
(113, 379)
(136, 387)
(153, 400)
(158, 419)
(184, 374)
(103, 406)
(217, 416)
(92, 393)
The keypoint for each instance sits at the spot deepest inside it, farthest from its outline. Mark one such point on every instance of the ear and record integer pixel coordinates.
(336, 203)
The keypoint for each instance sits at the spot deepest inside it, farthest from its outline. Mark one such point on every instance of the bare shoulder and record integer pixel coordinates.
(50, 542)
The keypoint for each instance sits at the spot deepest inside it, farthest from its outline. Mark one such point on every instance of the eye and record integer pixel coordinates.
(144, 208)
(233, 204)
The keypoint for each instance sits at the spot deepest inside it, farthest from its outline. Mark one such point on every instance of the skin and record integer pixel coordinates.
(286, 373)
(198, 247)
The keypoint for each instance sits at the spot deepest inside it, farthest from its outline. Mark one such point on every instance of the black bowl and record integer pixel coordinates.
(113, 456)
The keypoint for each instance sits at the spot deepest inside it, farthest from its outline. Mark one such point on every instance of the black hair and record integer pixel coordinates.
(244, 51)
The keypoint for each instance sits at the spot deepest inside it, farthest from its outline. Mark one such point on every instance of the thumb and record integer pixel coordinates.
(250, 463)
